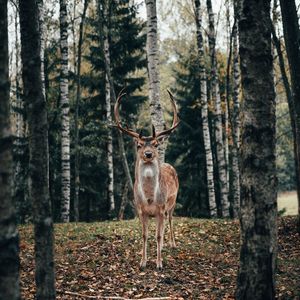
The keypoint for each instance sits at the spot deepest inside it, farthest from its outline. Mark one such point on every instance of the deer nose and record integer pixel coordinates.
(148, 154)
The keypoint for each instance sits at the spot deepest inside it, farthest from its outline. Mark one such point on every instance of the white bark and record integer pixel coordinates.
(153, 72)
(42, 35)
(204, 112)
(65, 124)
(108, 99)
(221, 147)
(236, 127)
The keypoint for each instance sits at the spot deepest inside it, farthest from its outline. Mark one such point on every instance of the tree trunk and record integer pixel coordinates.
(204, 113)
(258, 167)
(65, 121)
(156, 112)
(42, 35)
(108, 98)
(38, 148)
(290, 102)
(20, 189)
(292, 42)
(9, 237)
(78, 100)
(124, 201)
(222, 170)
(235, 125)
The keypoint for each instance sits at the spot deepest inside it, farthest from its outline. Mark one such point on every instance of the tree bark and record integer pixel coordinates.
(108, 99)
(222, 170)
(290, 102)
(38, 147)
(235, 125)
(124, 200)
(78, 100)
(20, 181)
(292, 42)
(156, 112)
(65, 119)
(258, 167)
(204, 113)
(9, 237)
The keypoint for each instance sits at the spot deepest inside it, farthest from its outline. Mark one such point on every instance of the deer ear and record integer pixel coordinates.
(153, 131)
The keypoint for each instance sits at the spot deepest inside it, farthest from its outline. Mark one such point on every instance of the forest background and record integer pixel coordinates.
(178, 69)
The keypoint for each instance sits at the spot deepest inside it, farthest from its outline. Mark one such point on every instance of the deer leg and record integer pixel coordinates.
(144, 220)
(172, 236)
(159, 238)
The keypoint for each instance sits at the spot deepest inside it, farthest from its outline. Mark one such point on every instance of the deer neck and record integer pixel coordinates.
(147, 176)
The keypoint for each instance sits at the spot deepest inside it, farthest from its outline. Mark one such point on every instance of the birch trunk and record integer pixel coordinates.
(236, 126)
(256, 276)
(38, 149)
(204, 113)
(9, 237)
(222, 169)
(78, 100)
(156, 112)
(20, 190)
(42, 35)
(109, 94)
(65, 121)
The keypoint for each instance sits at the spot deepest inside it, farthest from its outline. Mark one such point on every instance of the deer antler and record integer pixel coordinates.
(176, 120)
(117, 117)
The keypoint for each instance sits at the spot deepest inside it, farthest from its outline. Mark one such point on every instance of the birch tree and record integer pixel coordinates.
(204, 113)
(38, 149)
(235, 120)
(222, 169)
(20, 190)
(9, 237)
(103, 15)
(256, 276)
(156, 112)
(65, 120)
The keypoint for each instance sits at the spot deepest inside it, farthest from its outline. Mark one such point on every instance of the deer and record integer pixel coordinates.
(156, 184)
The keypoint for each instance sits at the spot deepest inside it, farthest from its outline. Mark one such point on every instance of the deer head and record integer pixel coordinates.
(147, 146)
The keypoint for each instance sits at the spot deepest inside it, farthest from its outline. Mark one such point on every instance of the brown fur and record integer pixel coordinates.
(155, 192)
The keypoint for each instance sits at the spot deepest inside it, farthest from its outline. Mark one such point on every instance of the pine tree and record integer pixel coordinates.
(126, 57)
(78, 100)
(186, 148)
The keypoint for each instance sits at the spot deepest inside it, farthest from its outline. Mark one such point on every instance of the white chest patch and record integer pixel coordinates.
(148, 172)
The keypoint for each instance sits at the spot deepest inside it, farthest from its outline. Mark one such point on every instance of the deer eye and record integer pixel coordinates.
(156, 145)
(139, 146)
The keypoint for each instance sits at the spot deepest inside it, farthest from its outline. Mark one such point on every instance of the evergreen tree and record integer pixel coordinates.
(186, 151)
(127, 56)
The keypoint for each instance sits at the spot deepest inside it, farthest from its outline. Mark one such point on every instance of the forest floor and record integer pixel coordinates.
(100, 261)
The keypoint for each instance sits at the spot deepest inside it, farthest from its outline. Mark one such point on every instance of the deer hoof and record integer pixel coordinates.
(172, 245)
(159, 266)
(143, 265)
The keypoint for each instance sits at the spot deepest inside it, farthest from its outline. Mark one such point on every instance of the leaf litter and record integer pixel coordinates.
(101, 261)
